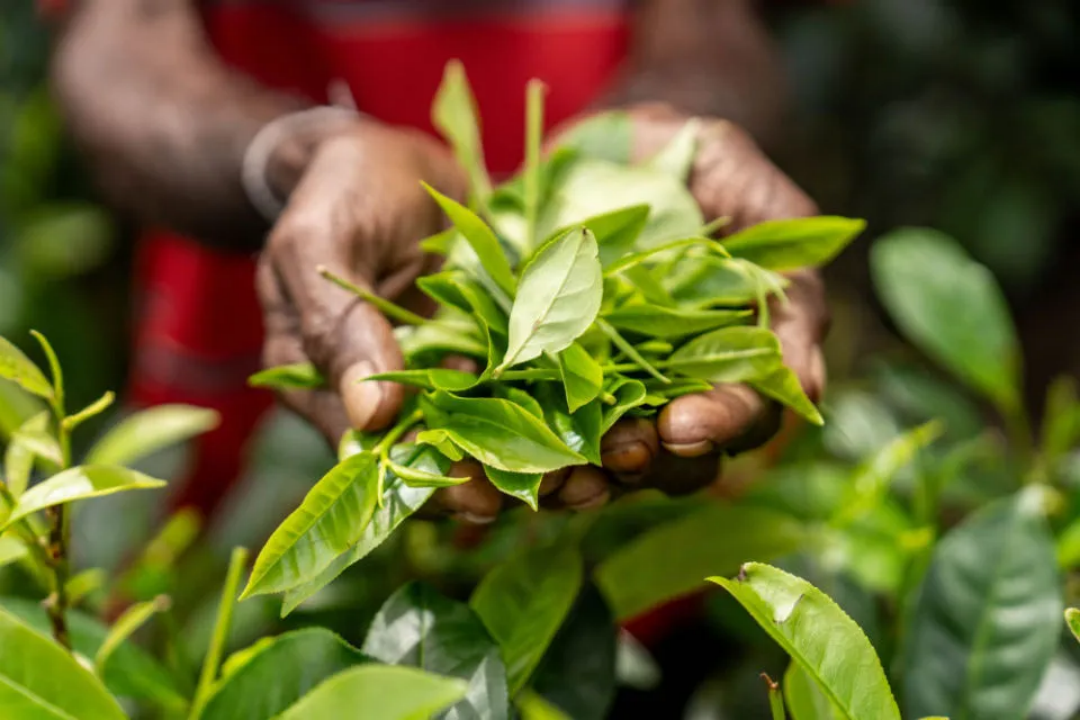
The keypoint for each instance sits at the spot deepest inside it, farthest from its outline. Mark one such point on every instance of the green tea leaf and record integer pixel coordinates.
(1072, 619)
(617, 231)
(631, 260)
(794, 243)
(533, 706)
(11, 550)
(18, 368)
(581, 375)
(604, 136)
(523, 486)
(441, 441)
(455, 116)
(663, 322)
(378, 691)
(90, 411)
(714, 281)
(399, 501)
(734, 354)
(985, 623)
(148, 431)
(40, 679)
(1061, 419)
(441, 337)
(40, 442)
(298, 376)
(645, 572)
(415, 477)
(558, 300)
(950, 307)
(580, 430)
(453, 289)
(264, 680)
(18, 458)
(804, 699)
(80, 483)
(628, 395)
(629, 350)
(499, 434)
(481, 238)
(524, 601)
(330, 520)
(808, 625)
(677, 157)
(420, 628)
(783, 386)
(519, 397)
(129, 621)
(430, 379)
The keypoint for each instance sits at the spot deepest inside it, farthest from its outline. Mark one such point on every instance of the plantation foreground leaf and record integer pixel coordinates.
(986, 621)
(794, 243)
(39, 680)
(421, 628)
(80, 483)
(805, 701)
(378, 691)
(524, 601)
(18, 368)
(817, 634)
(148, 431)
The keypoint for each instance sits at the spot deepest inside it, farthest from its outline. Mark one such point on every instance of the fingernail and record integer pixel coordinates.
(473, 518)
(361, 398)
(630, 457)
(691, 450)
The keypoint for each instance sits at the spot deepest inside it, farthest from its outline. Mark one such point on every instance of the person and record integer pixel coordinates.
(214, 121)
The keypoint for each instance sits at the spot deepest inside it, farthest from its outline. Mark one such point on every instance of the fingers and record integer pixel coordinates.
(477, 501)
(628, 449)
(696, 425)
(801, 324)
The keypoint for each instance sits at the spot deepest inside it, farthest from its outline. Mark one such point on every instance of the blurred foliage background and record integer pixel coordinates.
(956, 114)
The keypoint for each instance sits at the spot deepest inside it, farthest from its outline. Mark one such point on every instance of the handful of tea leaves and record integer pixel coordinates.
(585, 290)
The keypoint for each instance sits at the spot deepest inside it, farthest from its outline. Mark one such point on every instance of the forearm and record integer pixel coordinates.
(163, 123)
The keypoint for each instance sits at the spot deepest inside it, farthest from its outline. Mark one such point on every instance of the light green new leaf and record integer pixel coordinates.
(18, 458)
(616, 231)
(715, 281)
(385, 692)
(298, 376)
(677, 157)
(481, 238)
(794, 243)
(415, 477)
(716, 538)
(420, 628)
(581, 375)
(39, 680)
(331, 518)
(524, 601)
(148, 431)
(662, 322)
(11, 550)
(805, 701)
(441, 336)
(631, 260)
(399, 501)
(453, 289)
(430, 379)
(498, 433)
(80, 483)
(782, 385)
(523, 486)
(817, 634)
(40, 442)
(262, 681)
(1072, 619)
(628, 394)
(532, 706)
(18, 368)
(727, 355)
(986, 621)
(454, 114)
(559, 297)
(951, 307)
(131, 620)
(604, 136)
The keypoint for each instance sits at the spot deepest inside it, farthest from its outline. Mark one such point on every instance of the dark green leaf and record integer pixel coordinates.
(499, 433)
(419, 627)
(662, 322)
(455, 116)
(430, 379)
(378, 691)
(986, 621)
(39, 680)
(80, 483)
(265, 679)
(951, 307)
(581, 375)
(716, 538)
(148, 431)
(794, 243)
(482, 240)
(15, 366)
(580, 430)
(330, 520)
(809, 626)
(734, 354)
(559, 297)
(523, 486)
(524, 601)
(298, 376)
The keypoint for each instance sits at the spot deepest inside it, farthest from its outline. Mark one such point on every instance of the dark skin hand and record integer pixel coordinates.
(165, 126)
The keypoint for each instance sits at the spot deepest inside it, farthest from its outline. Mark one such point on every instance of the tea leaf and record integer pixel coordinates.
(1072, 619)
(441, 337)
(298, 376)
(39, 442)
(429, 379)
(263, 680)
(807, 624)
(710, 280)
(454, 115)
(532, 176)
(500, 434)
(662, 322)
(330, 520)
(399, 501)
(616, 231)
(80, 483)
(378, 691)
(523, 486)
(415, 477)
(604, 136)
(629, 350)
(634, 259)
(18, 458)
(455, 290)
(524, 601)
(90, 411)
(581, 375)
(734, 354)
(794, 243)
(677, 157)
(804, 699)
(628, 394)
(148, 431)
(11, 550)
(950, 307)
(783, 386)
(125, 626)
(580, 430)
(420, 628)
(481, 238)
(559, 297)
(645, 572)
(18, 368)
(986, 620)
(40, 679)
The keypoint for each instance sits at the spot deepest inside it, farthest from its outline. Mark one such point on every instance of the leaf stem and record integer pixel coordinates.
(534, 130)
(629, 350)
(391, 310)
(221, 630)
(776, 698)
